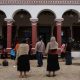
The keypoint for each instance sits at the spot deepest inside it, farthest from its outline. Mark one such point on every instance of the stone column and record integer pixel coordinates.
(9, 32)
(58, 25)
(34, 31)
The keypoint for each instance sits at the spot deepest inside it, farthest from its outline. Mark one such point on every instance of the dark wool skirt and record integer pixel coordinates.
(23, 63)
(52, 62)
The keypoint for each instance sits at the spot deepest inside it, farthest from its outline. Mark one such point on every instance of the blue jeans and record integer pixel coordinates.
(39, 57)
(68, 58)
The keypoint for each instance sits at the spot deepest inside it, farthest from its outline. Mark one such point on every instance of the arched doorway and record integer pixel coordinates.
(70, 18)
(46, 25)
(22, 25)
(3, 30)
(71, 28)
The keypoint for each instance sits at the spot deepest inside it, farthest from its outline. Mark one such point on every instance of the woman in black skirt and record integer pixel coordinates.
(23, 64)
(52, 60)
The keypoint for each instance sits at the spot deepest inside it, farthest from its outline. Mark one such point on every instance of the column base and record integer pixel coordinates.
(8, 52)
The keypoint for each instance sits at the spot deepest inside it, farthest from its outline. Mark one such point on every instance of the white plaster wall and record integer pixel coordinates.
(34, 10)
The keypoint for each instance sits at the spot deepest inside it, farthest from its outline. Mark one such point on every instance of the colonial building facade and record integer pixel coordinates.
(31, 18)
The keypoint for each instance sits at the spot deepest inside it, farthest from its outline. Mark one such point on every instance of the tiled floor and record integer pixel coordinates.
(66, 72)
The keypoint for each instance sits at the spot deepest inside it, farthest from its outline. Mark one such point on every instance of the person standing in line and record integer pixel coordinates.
(23, 64)
(39, 49)
(68, 57)
(52, 60)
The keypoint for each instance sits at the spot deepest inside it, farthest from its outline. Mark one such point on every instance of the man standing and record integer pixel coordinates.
(68, 56)
(39, 49)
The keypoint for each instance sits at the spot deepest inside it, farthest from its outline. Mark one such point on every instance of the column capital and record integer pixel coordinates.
(33, 20)
(59, 19)
(9, 21)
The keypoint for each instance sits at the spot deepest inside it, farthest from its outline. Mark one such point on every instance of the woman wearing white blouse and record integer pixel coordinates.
(52, 60)
(23, 64)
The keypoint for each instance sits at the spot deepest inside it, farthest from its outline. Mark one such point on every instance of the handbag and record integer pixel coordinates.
(5, 63)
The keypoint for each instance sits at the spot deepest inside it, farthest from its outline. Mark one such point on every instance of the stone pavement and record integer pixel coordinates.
(66, 72)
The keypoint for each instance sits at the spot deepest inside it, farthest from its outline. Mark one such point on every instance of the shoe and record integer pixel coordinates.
(48, 75)
(39, 65)
(54, 75)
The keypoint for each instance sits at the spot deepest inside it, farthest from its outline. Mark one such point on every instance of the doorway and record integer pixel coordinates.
(45, 32)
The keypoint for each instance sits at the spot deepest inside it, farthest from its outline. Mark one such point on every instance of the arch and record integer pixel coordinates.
(20, 10)
(46, 24)
(72, 10)
(46, 16)
(3, 14)
(46, 10)
(71, 16)
(21, 15)
(2, 18)
(70, 22)
(22, 24)
(3, 29)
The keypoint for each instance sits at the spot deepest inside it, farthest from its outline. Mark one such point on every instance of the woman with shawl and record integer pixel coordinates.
(23, 64)
(52, 60)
